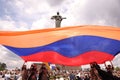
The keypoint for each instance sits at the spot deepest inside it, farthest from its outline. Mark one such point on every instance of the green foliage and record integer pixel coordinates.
(3, 66)
(117, 68)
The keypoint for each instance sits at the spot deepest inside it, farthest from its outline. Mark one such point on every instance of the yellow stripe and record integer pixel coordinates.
(44, 37)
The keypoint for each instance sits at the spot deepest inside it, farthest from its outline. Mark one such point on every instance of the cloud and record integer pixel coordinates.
(12, 25)
(55, 2)
(98, 12)
(4, 25)
(116, 60)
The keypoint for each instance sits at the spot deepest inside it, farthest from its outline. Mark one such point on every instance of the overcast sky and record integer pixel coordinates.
(19, 15)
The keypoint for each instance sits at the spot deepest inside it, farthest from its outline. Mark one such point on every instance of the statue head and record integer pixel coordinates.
(57, 13)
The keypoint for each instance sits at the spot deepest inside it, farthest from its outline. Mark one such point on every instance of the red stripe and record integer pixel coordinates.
(56, 58)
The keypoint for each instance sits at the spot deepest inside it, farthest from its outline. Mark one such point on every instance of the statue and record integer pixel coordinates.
(58, 19)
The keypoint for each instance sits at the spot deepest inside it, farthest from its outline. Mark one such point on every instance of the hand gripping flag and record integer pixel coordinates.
(73, 46)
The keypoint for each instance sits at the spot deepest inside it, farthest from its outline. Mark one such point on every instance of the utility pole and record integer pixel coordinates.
(58, 18)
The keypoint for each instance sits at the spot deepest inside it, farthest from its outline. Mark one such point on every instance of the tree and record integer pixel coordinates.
(117, 68)
(3, 66)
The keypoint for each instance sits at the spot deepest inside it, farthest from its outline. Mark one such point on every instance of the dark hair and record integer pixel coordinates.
(43, 68)
(24, 67)
(95, 65)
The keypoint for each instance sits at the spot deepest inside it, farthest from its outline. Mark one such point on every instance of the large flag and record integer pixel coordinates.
(74, 46)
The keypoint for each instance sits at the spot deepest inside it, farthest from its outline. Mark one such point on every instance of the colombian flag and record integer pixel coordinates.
(73, 46)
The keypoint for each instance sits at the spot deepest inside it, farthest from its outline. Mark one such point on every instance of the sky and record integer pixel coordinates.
(23, 15)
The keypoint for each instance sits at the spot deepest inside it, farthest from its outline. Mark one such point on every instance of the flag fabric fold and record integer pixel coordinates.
(73, 46)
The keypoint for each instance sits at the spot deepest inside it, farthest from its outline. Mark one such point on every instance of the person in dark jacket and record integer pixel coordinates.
(32, 72)
(24, 72)
(43, 73)
(103, 74)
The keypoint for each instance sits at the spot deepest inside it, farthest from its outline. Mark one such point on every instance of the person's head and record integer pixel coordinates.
(33, 67)
(43, 65)
(109, 66)
(94, 65)
(43, 68)
(23, 67)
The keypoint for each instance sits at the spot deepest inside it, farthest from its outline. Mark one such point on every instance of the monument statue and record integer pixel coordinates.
(57, 19)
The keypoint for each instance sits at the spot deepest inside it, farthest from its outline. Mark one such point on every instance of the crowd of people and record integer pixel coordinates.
(33, 73)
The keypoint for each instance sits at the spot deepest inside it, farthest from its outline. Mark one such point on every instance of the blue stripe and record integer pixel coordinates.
(74, 46)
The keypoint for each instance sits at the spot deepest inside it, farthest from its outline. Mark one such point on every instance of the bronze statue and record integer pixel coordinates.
(57, 19)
